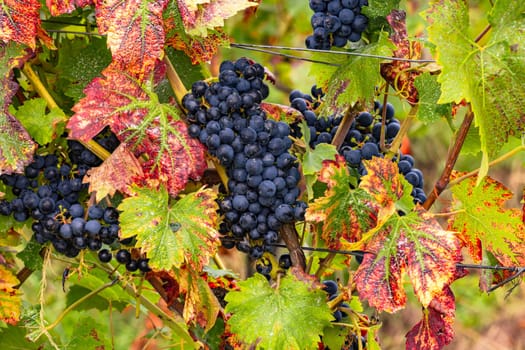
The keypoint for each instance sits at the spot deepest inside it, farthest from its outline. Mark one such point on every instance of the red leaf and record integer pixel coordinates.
(182, 159)
(398, 73)
(134, 31)
(435, 330)
(132, 111)
(59, 7)
(19, 21)
(106, 104)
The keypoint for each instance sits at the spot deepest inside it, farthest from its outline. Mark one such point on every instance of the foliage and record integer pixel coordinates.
(75, 70)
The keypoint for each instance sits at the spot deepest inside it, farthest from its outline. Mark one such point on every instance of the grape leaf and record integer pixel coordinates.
(79, 62)
(30, 255)
(199, 16)
(197, 48)
(16, 146)
(345, 213)
(278, 318)
(133, 112)
(488, 76)
(414, 243)
(429, 89)
(135, 33)
(200, 304)
(281, 112)
(435, 330)
(398, 73)
(175, 234)
(10, 302)
(482, 220)
(43, 127)
(20, 21)
(313, 159)
(60, 7)
(355, 78)
(86, 332)
(388, 188)
(377, 11)
(115, 174)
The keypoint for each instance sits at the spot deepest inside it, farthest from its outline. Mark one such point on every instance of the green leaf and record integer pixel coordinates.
(172, 234)
(16, 146)
(188, 72)
(354, 80)
(43, 127)
(98, 302)
(31, 256)
(376, 11)
(490, 75)
(429, 91)
(313, 159)
(482, 216)
(288, 317)
(79, 62)
(95, 279)
(84, 331)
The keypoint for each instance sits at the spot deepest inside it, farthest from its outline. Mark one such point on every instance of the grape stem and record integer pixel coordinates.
(344, 127)
(39, 86)
(176, 83)
(405, 125)
(78, 302)
(452, 157)
(290, 237)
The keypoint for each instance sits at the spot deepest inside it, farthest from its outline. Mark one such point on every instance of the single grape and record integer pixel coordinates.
(104, 255)
(123, 256)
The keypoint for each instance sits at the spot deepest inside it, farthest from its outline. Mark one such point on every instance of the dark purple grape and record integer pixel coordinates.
(104, 256)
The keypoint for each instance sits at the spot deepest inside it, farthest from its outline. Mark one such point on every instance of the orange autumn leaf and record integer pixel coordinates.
(10, 302)
(115, 174)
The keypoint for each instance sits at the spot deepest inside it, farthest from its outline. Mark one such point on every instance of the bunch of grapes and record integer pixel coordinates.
(226, 116)
(335, 22)
(50, 193)
(362, 142)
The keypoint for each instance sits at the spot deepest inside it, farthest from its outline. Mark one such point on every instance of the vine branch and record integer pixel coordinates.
(452, 157)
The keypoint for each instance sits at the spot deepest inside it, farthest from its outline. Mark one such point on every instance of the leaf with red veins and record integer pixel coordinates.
(135, 33)
(281, 112)
(414, 243)
(19, 21)
(16, 145)
(115, 174)
(60, 7)
(344, 213)
(181, 158)
(199, 16)
(398, 73)
(389, 189)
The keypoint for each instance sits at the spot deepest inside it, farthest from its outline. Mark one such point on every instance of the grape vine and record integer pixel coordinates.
(146, 163)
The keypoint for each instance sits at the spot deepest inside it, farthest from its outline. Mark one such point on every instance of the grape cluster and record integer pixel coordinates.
(226, 116)
(362, 142)
(335, 22)
(50, 193)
